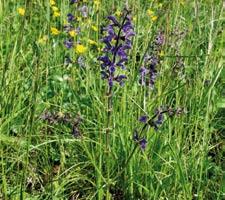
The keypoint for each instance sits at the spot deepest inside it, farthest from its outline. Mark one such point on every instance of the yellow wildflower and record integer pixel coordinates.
(55, 9)
(56, 14)
(54, 31)
(150, 12)
(92, 42)
(21, 11)
(154, 18)
(52, 2)
(96, 2)
(72, 33)
(118, 13)
(43, 40)
(161, 53)
(78, 19)
(94, 28)
(80, 49)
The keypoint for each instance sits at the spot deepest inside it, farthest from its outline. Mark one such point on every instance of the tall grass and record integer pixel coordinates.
(41, 159)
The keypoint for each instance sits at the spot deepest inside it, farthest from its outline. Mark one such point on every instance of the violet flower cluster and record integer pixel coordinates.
(83, 9)
(117, 42)
(73, 1)
(141, 141)
(53, 118)
(72, 28)
(148, 71)
(156, 121)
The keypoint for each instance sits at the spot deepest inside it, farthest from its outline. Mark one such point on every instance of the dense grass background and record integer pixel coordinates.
(41, 159)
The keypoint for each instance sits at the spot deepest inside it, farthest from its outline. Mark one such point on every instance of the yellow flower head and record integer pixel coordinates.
(72, 33)
(92, 42)
(52, 2)
(78, 19)
(161, 53)
(118, 13)
(21, 11)
(43, 40)
(54, 31)
(97, 2)
(56, 14)
(80, 49)
(154, 18)
(55, 9)
(150, 12)
(94, 28)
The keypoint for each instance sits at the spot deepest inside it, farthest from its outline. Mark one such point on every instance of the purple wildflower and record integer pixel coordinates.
(143, 119)
(159, 40)
(120, 79)
(70, 17)
(73, 1)
(160, 118)
(143, 143)
(114, 20)
(68, 43)
(149, 72)
(84, 11)
(117, 41)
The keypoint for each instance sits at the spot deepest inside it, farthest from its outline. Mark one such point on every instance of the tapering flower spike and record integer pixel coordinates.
(117, 42)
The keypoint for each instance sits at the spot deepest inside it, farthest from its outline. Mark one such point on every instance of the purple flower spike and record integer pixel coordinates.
(143, 119)
(112, 69)
(159, 39)
(68, 44)
(149, 72)
(70, 17)
(73, 1)
(160, 118)
(84, 11)
(117, 41)
(143, 143)
(114, 20)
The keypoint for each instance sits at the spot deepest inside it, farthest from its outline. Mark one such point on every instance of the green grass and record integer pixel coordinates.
(184, 159)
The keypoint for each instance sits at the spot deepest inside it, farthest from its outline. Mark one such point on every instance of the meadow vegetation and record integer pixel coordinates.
(106, 99)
